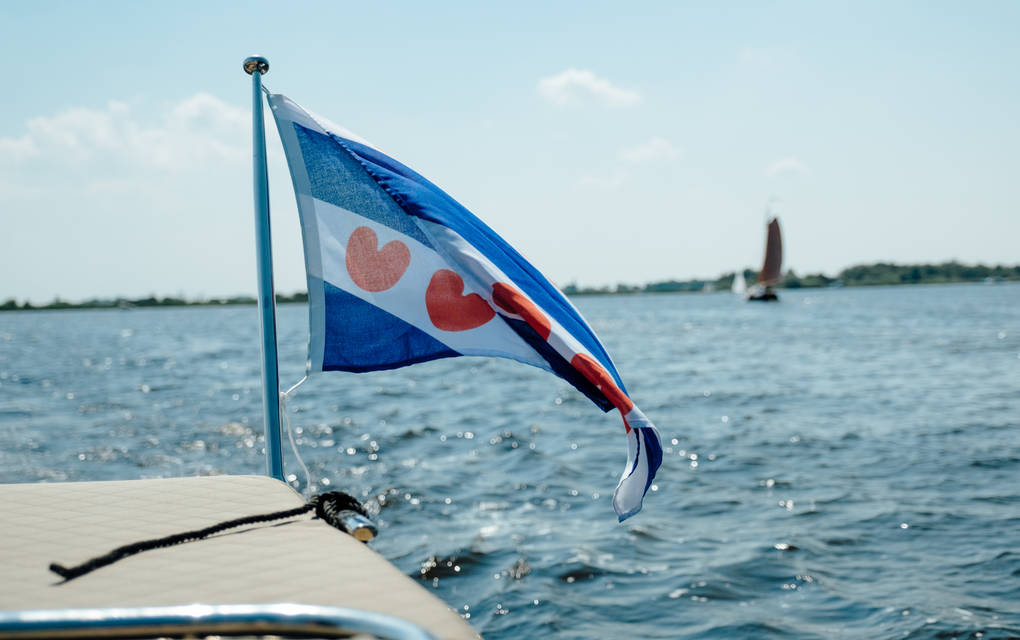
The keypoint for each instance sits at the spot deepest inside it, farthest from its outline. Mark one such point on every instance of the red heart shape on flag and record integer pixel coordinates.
(448, 309)
(375, 269)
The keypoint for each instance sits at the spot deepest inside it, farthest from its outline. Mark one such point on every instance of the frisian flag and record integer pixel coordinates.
(400, 273)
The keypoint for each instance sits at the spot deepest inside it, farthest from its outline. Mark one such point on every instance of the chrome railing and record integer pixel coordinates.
(200, 619)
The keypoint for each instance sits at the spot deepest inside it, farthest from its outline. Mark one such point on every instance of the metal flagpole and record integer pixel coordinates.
(256, 67)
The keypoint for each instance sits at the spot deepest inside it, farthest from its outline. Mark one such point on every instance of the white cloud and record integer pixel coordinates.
(18, 149)
(576, 86)
(655, 150)
(785, 165)
(199, 130)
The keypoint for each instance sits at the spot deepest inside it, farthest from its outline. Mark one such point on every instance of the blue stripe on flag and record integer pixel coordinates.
(421, 198)
(336, 177)
(359, 332)
(654, 452)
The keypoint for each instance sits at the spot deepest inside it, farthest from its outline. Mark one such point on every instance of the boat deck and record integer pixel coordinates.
(300, 560)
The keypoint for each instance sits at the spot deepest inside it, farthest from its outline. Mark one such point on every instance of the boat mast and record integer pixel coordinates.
(255, 67)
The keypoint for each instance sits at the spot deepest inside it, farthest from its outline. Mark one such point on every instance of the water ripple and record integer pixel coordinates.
(845, 468)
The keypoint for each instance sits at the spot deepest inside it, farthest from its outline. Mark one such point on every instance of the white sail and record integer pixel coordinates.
(739, 283)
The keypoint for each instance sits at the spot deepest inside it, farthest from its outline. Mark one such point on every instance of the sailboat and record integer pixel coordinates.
(772, 268)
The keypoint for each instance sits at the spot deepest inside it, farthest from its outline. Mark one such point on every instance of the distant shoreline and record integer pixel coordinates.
(878, 274)
(150, 302)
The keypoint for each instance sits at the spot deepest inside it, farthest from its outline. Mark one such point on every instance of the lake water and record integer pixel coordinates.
(845, 463)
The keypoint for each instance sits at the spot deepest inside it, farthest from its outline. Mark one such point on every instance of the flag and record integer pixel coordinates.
(400, 273)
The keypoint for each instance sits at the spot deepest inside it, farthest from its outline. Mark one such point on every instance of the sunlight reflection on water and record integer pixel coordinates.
(844, 462)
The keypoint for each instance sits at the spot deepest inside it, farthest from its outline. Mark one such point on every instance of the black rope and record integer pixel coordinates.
(330, 506)
(327, 506)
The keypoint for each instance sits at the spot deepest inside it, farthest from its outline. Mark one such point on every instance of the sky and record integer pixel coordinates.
(609, 142)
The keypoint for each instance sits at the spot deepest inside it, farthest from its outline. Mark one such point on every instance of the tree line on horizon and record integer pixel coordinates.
(148, 302)
(878, 274)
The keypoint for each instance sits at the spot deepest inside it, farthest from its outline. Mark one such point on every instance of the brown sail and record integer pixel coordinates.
(772, 270)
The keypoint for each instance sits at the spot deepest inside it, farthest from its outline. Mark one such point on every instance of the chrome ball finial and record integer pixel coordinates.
(256, 63)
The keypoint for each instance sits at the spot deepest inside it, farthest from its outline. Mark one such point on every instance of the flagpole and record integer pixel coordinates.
(256, 67)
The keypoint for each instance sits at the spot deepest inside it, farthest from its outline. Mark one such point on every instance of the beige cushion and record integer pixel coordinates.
(299, 560)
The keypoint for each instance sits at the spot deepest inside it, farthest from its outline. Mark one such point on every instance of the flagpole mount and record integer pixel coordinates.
(256, 63)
